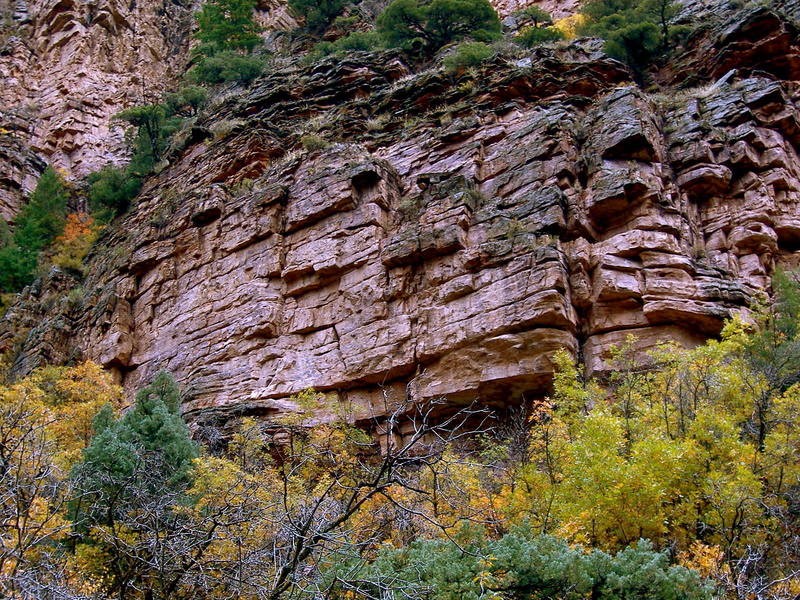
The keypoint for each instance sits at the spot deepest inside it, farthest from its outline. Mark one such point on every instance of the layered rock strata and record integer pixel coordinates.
(452, 235)
(77, 63)
(68, 66)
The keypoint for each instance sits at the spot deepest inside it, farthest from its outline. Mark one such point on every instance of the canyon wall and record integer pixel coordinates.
(445, 233)
(69, 67)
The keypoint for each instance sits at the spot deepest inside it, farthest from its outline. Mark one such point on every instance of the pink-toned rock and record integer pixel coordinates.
(451, 238)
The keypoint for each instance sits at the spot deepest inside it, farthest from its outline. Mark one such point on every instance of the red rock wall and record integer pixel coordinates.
(455, 234)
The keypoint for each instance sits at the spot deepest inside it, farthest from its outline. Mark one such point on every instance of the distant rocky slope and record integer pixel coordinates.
(454, 232)
(70, 66)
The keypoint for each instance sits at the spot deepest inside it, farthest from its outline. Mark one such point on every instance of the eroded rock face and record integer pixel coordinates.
(454, 234)
(74, 64)
(21, 167)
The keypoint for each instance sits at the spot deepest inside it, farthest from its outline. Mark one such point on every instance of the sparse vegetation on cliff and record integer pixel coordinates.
(151, 129)
(111, 190)
(359, 41)
(467, 55)
(534, 36)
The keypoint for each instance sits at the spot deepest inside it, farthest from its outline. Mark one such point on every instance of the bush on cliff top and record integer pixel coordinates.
(467, 55)
(318, 14)
(358, 41)
(226, 67)
(534, 36)
(414, 23)
(636, 32)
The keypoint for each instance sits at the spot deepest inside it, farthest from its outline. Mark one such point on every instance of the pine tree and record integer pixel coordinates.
(227, 25)
(146, 449)
(42, 219)
(39, 222)
(134, 473)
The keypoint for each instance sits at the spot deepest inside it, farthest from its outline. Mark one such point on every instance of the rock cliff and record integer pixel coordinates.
(72, 64)
(68, 66)
(451, 232)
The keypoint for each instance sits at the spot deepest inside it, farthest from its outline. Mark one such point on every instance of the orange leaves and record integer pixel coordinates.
(72, 246)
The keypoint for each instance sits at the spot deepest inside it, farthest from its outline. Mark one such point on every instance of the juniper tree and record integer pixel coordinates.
(437, 23)
(133, 474)
(318, 14)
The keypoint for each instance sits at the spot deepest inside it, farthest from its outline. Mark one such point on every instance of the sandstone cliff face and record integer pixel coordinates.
(457, 231)
(72, 65)
(68, 66)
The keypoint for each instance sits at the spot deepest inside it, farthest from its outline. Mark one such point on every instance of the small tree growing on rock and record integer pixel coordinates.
(318, 14)
(405, 23)
(227, 25)
(228, 33)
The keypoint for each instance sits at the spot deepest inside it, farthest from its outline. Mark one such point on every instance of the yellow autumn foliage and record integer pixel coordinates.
(45, 422)
(570, 25)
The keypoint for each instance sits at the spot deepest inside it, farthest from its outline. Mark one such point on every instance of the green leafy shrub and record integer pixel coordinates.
(187, 100)
(408, 23)
(467, 55)
(226, 66)
(534, 36)
(152, 126)
(43, 218)
(318, 14)
(313, 143)
(347, 23)
(634, 43)
(358, 41)
(228, 33)
(538, 15)
(111, 190)
(17, 268)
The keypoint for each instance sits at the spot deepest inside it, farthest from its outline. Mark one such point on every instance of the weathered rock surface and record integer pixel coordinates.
(74, 64)
(21, 167)
(455, 233)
